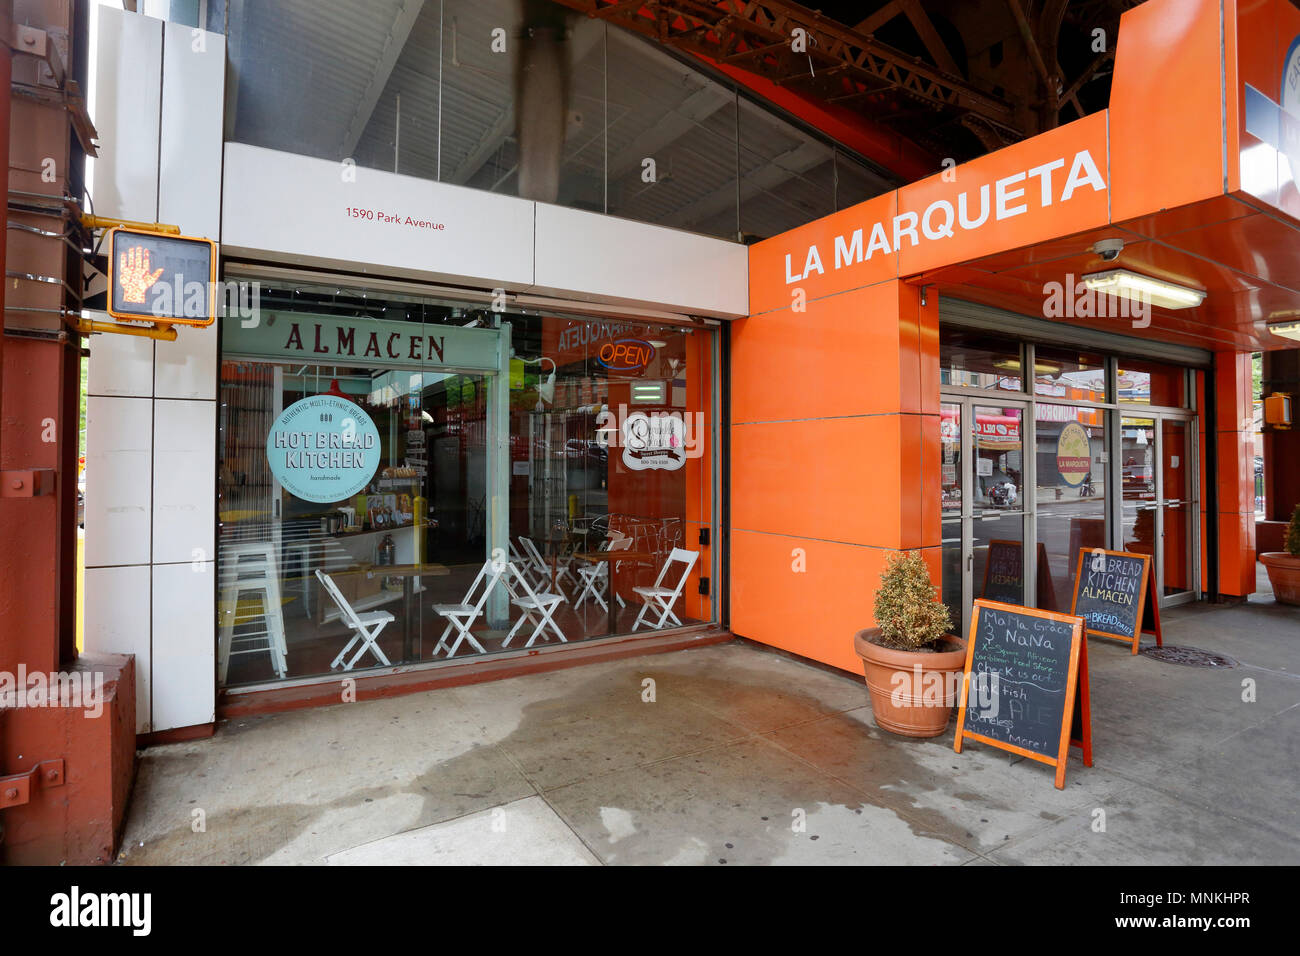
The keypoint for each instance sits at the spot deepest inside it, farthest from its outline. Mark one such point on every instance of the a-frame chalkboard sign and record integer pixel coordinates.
(1004, 578)
(1022, 689)
(1115, 594)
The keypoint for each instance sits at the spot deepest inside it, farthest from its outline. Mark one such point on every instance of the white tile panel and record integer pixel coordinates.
(119, 448)
(187, 368)
(189, 151)
(588, 256)
(184, 635)
(184, 481)
(295, 208)
(118, 621)
(120, 365)
(126, 112)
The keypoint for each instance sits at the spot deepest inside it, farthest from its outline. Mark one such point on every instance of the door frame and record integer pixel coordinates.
(1193, 502)
(967, 401)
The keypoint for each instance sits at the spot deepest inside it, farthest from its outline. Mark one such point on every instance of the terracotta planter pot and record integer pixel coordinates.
(1283, 575)
(904, 700)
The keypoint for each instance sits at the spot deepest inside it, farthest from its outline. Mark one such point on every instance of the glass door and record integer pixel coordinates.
(1070, 496)
(954, 512)
(1176, 511)
(997, 511)
(1157, 460)
(982, 477)
(1139, 502)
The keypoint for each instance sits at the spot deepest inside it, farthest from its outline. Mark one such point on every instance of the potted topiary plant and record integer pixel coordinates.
(911, 661)
(1284, 566)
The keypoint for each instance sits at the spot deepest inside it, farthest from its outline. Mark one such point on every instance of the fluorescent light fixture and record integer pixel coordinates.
(1040, 368)
(1140, 288)
(649, 393)
(1288, 330)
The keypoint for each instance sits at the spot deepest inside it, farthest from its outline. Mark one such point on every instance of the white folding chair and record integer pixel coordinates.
(515, 556)
(661, 598)
(537, 607)
(536, 564)
(367, 626)
(461, 616)
(595, 575)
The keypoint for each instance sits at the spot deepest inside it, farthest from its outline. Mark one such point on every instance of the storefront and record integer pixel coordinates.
(504, 458)
(981, 398)
(1039, 458)
(441, 387)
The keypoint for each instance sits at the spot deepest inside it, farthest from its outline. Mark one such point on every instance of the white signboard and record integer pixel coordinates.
(654, 442)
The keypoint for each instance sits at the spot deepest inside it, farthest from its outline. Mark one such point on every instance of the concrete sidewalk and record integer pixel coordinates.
(747, 757)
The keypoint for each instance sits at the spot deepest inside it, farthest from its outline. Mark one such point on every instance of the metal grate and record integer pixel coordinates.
(1189, 656)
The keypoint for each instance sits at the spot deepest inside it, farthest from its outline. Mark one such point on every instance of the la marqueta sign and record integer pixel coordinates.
(1056, 182)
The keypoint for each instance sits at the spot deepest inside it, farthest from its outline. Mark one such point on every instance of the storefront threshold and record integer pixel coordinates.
(326, 690)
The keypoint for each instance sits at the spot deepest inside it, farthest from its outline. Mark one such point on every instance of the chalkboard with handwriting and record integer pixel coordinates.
(1020, 681)
(1004, 576)
(1110, 593)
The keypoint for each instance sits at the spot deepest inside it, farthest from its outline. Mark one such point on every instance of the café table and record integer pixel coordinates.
(617, 558)
(409, 573)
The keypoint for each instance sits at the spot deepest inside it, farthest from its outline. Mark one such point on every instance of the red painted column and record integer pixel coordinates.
(8, 654)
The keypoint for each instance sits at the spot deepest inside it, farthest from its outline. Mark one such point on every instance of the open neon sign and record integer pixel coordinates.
(626, 355)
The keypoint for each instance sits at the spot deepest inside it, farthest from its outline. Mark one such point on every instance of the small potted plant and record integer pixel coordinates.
(912, 662)
(1284, 566)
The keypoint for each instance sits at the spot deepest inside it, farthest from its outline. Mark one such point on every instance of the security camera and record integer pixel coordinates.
(1108, 249)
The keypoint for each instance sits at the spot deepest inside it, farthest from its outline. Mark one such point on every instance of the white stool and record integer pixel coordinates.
(251, 569)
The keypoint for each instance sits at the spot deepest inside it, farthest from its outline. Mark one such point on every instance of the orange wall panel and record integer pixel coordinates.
(1234, 441)
(1166, 107)
(813, 612)
(840, 357)
(832, 478)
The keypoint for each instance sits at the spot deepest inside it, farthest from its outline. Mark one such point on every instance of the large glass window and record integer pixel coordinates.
(1070, 464)
(975, 360)
(529, 100)
(1150, 383)
(406, 481)
(1069, 374)
(1091, 477)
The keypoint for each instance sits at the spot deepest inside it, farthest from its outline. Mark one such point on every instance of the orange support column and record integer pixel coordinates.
(835, 414)
(1236, 474)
